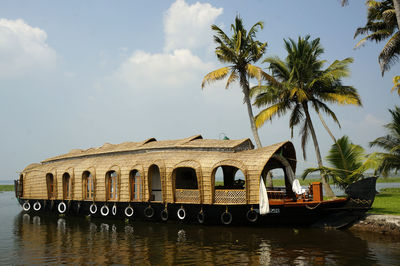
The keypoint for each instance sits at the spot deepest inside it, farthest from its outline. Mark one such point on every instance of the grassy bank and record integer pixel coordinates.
(307, 181)
(387, 202)
(6, 187)
(389, 180)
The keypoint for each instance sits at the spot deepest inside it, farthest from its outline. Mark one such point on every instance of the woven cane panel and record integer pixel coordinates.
(230, 196)
(187, 196)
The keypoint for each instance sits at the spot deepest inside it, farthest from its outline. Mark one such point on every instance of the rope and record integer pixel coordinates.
(312, 208)
(358, 201)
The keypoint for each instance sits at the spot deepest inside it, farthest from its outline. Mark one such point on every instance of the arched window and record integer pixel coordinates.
(230, 185)
(135, 185)
(51, 186)
(66, 180)
(186, 185)
(229, 177)
(185, 178)
(88, 188)
(112, 185)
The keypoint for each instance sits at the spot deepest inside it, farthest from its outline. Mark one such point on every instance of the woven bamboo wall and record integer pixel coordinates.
(250, 162)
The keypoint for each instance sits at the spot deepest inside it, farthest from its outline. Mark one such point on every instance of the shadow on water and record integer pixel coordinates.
(50, 239)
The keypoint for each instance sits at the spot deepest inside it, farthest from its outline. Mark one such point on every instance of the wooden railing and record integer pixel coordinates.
(231, 196)
(276, 194)
(222, 196)
(187, 196)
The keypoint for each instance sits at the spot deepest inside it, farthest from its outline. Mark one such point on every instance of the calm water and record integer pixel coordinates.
(32, 239)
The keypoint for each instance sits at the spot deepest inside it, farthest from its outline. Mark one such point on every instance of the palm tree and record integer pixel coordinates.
(382, 24)
(304, 84)
(396, 82)
(396, 4)
(239, 51)
(390, 143)
(348, 163)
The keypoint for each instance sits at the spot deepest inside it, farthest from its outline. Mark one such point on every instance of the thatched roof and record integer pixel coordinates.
(194, 143)
(202, 155)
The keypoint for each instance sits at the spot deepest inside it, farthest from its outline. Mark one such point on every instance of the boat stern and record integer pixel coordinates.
(362, 193)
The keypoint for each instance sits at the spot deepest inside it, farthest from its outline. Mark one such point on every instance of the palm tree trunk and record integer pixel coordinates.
(246, 92)
(333, 138)
(254, 129)
(252, 123)
(326, 127)
(396, 4)
(327, 188)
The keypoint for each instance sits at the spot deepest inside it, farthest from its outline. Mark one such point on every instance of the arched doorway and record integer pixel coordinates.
(67, 188)
(155, 183)
(281, 170)
(88, 185)
(112, 185)
(135, 185)
(51, 186)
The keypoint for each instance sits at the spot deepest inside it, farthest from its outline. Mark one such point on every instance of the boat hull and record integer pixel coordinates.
(315, 214)
(336, 213)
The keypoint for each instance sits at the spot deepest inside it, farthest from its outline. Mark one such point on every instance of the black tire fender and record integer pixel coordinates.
(149, 212)
(164, 215)
(226, 218)
(252, 216)
(201, 217)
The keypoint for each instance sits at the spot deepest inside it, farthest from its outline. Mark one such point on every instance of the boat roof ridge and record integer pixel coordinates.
(195, 142)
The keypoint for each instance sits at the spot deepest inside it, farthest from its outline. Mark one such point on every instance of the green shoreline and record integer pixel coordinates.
(6, 188)
(387, 202)
(307, 181)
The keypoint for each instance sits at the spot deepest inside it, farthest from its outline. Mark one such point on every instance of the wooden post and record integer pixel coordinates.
(317, 191)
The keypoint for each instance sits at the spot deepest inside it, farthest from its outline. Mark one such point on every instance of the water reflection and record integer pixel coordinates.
(265, 252)
(48, 239)
(181, 235)
(36, 220)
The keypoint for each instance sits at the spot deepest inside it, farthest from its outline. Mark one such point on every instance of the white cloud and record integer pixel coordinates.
(188, 26)
(23, 49)
(371, 121)
(157, 89)
(367, 129)
(362, 128)
(157, 72)
(367, 124)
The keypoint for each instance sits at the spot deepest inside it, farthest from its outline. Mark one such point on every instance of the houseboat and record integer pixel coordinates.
(193, 179)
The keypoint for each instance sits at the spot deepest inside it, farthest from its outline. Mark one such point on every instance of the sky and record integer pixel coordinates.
(77, 74)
